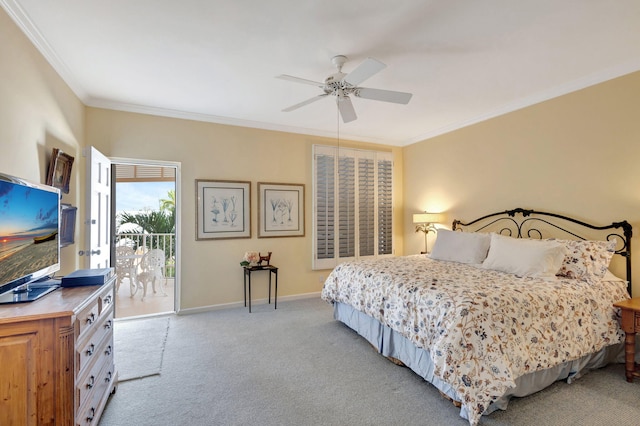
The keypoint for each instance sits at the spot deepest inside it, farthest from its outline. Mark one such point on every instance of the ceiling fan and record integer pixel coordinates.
(342, 85)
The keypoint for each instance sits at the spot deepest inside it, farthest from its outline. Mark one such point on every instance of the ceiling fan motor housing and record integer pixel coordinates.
(335, 83)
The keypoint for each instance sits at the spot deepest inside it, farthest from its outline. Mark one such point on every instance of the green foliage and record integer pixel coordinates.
(151, 222)
(169, 204)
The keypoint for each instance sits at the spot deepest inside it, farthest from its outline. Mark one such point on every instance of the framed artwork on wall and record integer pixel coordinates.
(280, 210)
(67, 224)
(59, 173)
(223, 209)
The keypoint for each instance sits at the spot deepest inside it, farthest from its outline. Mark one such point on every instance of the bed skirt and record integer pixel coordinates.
(391, 344)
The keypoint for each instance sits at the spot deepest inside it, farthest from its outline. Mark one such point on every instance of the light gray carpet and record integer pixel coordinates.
(139, 346)
(298, 366)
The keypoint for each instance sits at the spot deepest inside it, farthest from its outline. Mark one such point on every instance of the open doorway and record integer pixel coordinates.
(145, 246)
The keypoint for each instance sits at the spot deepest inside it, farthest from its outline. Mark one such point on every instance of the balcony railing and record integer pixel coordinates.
(164, 242)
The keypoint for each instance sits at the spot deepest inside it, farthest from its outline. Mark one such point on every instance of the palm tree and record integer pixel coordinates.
(151, 222)
(170, 202)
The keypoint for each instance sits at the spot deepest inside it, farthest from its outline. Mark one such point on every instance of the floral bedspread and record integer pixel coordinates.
(482, 328)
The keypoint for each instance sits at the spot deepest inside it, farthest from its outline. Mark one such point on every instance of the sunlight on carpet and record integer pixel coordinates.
(139, 347)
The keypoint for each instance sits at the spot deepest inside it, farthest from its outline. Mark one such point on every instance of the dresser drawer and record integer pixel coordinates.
(95, 344)
(637, 321)
(105, 299)
(92, 381)
(86, 319)
(89, 413)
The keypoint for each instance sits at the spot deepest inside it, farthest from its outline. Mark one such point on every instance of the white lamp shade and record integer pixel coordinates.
(428, 218)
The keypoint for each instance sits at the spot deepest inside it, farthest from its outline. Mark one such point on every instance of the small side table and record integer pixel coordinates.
(247, 279)
(630, 311)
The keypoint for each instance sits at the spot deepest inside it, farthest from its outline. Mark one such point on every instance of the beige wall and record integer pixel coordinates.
(38, 112)
(211, 274)
(578, 155)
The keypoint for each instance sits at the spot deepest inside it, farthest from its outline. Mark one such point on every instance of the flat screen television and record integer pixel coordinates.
(29, 246)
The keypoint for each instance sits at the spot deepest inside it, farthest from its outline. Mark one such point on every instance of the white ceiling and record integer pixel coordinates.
(216, 60)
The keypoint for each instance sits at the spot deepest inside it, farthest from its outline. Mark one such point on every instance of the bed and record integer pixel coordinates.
(504, 305)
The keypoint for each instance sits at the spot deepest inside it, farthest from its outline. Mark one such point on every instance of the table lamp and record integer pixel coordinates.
(425, 223)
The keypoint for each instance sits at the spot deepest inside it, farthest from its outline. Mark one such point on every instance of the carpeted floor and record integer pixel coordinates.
(298, 366)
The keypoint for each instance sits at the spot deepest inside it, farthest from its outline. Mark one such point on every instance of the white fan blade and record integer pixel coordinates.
(365, 70)
(383, 95)
(303, 103)
(299, 80)
(347, 112)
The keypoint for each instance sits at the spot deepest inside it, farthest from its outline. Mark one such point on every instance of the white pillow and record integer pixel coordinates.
(524, 257)
(463, 247)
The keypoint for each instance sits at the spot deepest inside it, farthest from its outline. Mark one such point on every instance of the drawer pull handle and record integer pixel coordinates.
(91, 318)
(107, 300)
(92, 380)
(107, 324)
(92, 414)
(108, 350)
(90, 350)
(108, 378)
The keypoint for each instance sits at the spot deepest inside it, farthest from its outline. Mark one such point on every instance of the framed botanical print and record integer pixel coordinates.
(280, 210)
(223, 209)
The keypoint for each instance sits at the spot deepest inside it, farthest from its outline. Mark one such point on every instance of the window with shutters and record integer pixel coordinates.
(352, 205)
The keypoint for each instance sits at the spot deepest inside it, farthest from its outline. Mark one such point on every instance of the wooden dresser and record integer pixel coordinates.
(56, 357)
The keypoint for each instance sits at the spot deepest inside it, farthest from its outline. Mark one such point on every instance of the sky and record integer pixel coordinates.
(27, 211)
(138, 196)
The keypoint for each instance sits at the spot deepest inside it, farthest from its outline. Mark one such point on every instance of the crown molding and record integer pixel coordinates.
(20, 17)
(164, 112)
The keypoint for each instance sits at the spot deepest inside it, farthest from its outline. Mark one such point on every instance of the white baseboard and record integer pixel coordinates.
(189, 311)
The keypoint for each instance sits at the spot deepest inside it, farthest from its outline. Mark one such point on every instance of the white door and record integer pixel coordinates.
(98, 210)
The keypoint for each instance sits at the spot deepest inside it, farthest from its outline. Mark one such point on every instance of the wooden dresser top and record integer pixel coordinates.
(62, 302)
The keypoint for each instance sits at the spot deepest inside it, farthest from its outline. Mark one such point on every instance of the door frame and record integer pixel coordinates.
(177, 165)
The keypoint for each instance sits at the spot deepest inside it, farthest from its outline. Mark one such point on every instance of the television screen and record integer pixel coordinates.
(29, 225)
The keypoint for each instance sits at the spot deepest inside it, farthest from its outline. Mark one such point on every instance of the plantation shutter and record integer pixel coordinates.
(325, 206)
(367, 205)
(347, 206)
(385, 199)
(352, 205)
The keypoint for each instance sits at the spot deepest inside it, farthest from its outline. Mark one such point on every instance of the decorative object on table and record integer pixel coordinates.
(251, 258)
(59, 173)
(280, 210)
(67, 224)
(266, 258)
(425, 223)
(223, 209)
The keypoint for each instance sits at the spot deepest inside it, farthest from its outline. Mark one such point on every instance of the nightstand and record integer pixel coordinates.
(630, 312)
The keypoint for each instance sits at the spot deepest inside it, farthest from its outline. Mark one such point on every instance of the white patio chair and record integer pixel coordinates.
(151, 268)
(126, 268)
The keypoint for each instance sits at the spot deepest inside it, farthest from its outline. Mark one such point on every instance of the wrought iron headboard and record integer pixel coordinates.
(507, 223)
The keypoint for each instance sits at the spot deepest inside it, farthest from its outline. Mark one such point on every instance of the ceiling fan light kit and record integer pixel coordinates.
(343, 85)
